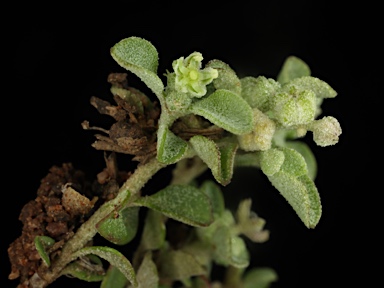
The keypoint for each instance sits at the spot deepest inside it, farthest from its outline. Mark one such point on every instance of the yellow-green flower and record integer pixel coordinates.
(190, 78)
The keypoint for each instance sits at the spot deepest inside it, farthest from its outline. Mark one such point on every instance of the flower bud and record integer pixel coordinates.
(326, 131)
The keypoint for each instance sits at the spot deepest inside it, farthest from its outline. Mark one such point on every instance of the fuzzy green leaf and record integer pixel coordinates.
(206, 234)
(293, 67)
(260, 277)
(227, 77)
(230, 250)
(170, 148)
(147, 275)
(184, 203)
(258, 91)
(214, 193)
(271, 161)
(227, 110)
(141, 58)
(114, 257)
(88, 268)
(219, 159)
(301, 194)
(41, 243)
(294, 163)
(114, 278)
(315, 210)
(319, 87)
(120, 227)
(308, 155)
(153, 236)
(180, 265)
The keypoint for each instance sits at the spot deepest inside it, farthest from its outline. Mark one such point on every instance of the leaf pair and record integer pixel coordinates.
(287, 170)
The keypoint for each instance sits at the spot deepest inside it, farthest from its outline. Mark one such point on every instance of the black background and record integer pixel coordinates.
(59, 57)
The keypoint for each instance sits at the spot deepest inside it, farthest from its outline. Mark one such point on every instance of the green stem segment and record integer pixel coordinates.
(88, 230)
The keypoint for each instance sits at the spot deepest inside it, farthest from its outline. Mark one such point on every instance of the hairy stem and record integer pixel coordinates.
(88, 229)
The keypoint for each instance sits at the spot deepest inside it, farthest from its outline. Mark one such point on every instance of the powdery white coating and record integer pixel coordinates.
(326, 131)
(260, 139)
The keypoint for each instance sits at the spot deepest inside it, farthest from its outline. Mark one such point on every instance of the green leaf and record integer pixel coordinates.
(308, 155)
(219, 159)
(293, 67)
(88, 268)
(206, 234)
(184, 203)
(301, 194)
(114, 278)
(227, 79)
(170, 148)
(271, 161)
(319, 87)
(229, 249)
(114, 257)
(120, 227)
(294, 163)
(260, 277)
(153, 236)
(228, 151)
(258, 91)
(227, 110)
(147, 275)
(179, 265)
(214, 193)
(41, 243)
(315, 210)
(141, 58)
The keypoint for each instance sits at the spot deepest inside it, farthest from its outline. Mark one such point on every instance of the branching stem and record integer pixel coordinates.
(88, 230)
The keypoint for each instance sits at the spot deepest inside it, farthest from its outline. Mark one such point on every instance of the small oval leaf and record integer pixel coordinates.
(214, 193)
(293, 67)
(41, 243)
(226, 109)
(319, 87)
(271, 161)
(260, 277)
(147, 275)
(308, 155)
(154, 230)
(294, 163)
(315, 210)
(180, 265)
(229, 249)
(141, 58)
(120, 227)
(218, 157)
(114, 278)
(258, 91)
(170, 148)
(227, 78)
(184, 203)
(114, 257)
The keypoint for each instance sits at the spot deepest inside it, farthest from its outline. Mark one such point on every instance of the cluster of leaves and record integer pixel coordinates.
(262, 120)
(262, 116)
